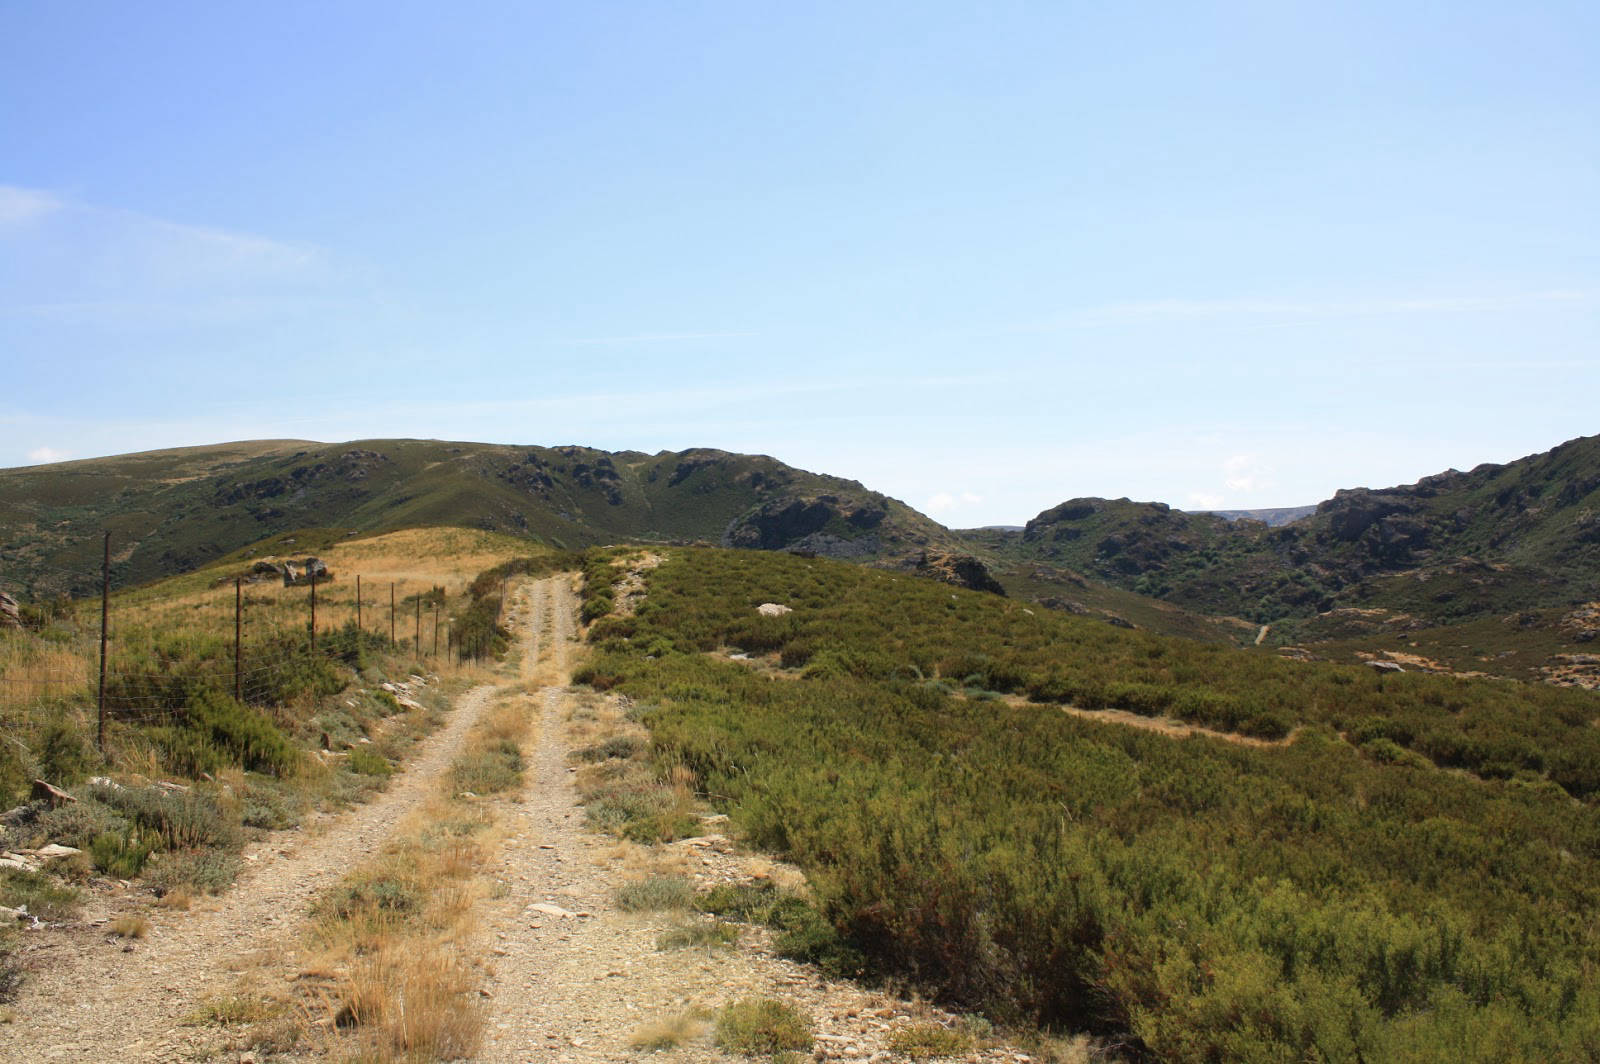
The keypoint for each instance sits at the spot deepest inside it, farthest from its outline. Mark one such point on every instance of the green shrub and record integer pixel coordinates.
(1388, 752)
(183, 820)
(365, 762)
(44, 896)
(618, 746)
(65, 753)
(122, 855)
(488, 771)
(655, 894)
(596, 606)
(699, 934)
(757, 1026)
(919, 1041)
(207, 871)
(268, 804)
(78, 823)
(249, 739)
(383, 894)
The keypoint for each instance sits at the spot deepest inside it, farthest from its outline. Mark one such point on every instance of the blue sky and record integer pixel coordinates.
(981, 257)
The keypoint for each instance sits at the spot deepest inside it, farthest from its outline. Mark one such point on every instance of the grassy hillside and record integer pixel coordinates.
(1448, 548)
(1406, 872)
(171, 511)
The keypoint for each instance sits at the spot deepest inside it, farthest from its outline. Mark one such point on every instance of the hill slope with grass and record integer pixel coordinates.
(1450, 548)
(172, 511)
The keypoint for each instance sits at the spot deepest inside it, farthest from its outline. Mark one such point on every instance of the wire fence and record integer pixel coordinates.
(266, 647)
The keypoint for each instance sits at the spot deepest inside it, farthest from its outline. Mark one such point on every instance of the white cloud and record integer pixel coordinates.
(1201, 500)
(945, 501)
(44, 455)
(1246, 473)
(19, 205)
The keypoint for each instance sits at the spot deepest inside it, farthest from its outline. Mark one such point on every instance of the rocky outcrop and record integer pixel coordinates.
(828, 525)
(961, 570)
(10, 612)
(1582, 625)
(296, 573)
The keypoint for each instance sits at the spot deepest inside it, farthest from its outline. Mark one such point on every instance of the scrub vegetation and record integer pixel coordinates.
(1408, 878)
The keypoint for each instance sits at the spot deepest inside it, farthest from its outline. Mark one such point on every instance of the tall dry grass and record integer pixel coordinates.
(32, 670)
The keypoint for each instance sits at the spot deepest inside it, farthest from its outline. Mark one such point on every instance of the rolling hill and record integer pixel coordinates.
(171, 511)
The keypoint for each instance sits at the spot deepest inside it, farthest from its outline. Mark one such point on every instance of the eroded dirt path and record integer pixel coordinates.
(88, 999)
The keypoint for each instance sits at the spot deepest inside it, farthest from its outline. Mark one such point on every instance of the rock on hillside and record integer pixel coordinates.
(961, 570)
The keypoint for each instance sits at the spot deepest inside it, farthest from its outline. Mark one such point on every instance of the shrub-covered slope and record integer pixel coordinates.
(1342, 896)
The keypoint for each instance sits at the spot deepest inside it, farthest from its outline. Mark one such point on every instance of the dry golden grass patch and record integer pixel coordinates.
(670, 1032)
(129, 927)
(34, 670)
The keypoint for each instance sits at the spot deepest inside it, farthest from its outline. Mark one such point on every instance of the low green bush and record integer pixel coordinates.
(758, 1026)
(382, 894)
(206, 871)
(182, 819)
(699, 934)
(655, 894)
(122, 855)
(43, 895)
(365, 762)
(488, 771)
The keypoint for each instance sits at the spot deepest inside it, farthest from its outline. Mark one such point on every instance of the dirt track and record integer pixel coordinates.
(87, 999)
(569, 978)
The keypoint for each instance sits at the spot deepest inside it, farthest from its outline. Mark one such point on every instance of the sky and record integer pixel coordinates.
(981, 257)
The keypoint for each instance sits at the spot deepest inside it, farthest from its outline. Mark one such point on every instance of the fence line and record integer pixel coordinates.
(146, 694)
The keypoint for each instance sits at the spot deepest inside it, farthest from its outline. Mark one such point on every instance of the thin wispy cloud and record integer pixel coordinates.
(44, 455)
(1270, 310)
(1222, 308)
(63, 258)
(657, 338)
(20, 205)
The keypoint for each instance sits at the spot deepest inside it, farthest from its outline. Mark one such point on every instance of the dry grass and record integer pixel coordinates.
(410, 1004)
(35, 671)
(178, 899)
(671, 1032)
(129, 927)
